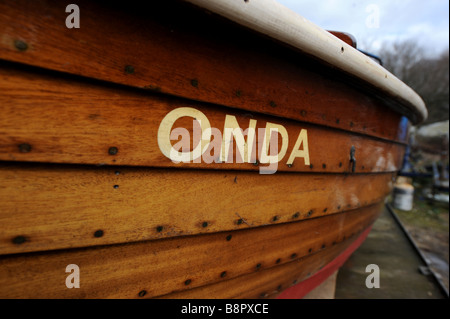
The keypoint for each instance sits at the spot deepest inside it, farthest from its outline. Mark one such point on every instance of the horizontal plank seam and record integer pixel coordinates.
(114, 85)
(296, 260)
(93, 247)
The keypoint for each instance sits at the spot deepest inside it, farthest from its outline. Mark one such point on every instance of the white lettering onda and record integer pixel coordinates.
(222, 143)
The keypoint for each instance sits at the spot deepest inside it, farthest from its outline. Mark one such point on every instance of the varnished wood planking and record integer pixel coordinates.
(168, 49)
(33, 133)
(50, 119)
(168, 265)
(268, 283)
(278, 22)
(46, 207)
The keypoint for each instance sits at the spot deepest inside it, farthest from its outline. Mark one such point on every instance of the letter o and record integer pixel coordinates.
(166, 127)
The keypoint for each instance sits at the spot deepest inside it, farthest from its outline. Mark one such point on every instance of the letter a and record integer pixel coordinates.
(297, 152)
(373, 280)
(73, 19)
(373, 19)
(73, 280)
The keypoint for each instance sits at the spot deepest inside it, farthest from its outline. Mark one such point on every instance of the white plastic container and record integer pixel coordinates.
(403, 196)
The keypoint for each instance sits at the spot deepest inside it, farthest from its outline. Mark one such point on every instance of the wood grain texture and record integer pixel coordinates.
(53, 207)
(168, 49)
(83, 179)
(267, 283)
(50, 119)
(168, 265)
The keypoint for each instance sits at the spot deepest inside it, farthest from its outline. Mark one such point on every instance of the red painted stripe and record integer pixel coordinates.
(301, 289)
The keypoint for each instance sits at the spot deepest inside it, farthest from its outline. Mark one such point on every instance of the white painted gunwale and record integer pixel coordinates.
(278, 22)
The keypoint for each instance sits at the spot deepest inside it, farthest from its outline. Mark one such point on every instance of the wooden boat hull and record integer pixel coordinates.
(86, 172)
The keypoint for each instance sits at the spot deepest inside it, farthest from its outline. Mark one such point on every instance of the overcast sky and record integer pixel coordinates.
(374, 22)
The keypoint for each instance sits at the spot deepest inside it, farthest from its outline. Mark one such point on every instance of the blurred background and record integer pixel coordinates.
(411, 37)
